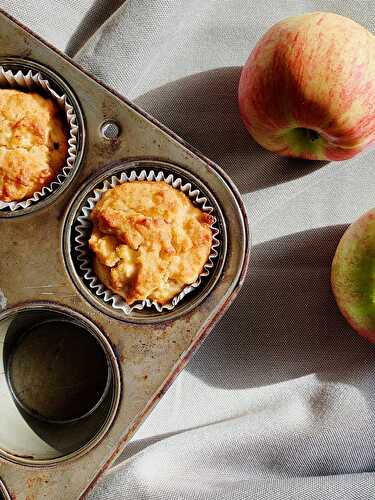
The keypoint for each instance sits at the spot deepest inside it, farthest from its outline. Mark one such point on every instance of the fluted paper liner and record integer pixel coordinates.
(83, 229)
(32, 80)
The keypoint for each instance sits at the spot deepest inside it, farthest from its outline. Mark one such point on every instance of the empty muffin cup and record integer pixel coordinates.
(57, 372)
(59, 383)
(84, 225)
(29, 76)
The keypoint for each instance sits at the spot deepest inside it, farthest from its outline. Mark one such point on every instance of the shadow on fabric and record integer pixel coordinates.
(285, 323)
(98, 13)
(203, 110)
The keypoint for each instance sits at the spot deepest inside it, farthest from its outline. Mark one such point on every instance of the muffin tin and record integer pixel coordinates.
(54, 443)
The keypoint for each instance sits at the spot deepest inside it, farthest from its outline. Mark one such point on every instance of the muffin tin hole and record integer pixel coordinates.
(59, 384)
(22, 70)
(144, 315)
(73, 364)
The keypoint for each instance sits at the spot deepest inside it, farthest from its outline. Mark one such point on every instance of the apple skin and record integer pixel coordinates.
(353, 275)
(307, 89)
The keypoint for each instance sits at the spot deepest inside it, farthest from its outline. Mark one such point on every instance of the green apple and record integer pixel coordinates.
(353, 275)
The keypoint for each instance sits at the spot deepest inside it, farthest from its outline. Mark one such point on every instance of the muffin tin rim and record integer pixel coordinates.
(29, 64)
(4, 491)
(70, 216)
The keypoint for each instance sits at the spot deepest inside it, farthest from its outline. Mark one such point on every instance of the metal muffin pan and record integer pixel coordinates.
(37, 278)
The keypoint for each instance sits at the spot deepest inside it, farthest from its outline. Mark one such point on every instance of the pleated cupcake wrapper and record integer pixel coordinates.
(32, 80)
(84, 226)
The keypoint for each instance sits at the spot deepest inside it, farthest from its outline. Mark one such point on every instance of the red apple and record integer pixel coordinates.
(308, 88)
(353, 275)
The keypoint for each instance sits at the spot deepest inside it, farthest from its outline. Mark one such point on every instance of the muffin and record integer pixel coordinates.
(33, 143)
(149, 241)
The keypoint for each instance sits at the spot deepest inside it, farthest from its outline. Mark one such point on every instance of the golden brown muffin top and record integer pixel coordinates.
(33, 143)
(149, 240)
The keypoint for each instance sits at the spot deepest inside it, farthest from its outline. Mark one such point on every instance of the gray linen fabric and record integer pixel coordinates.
(279, 403)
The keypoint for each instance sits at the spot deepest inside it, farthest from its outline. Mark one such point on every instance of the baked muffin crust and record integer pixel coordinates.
(149, 240)
(33, 143)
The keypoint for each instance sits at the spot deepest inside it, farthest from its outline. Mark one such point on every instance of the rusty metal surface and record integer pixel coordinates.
(32, 268)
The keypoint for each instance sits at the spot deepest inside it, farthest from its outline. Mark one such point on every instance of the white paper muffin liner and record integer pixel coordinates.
(83, 228)
(32, 80)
